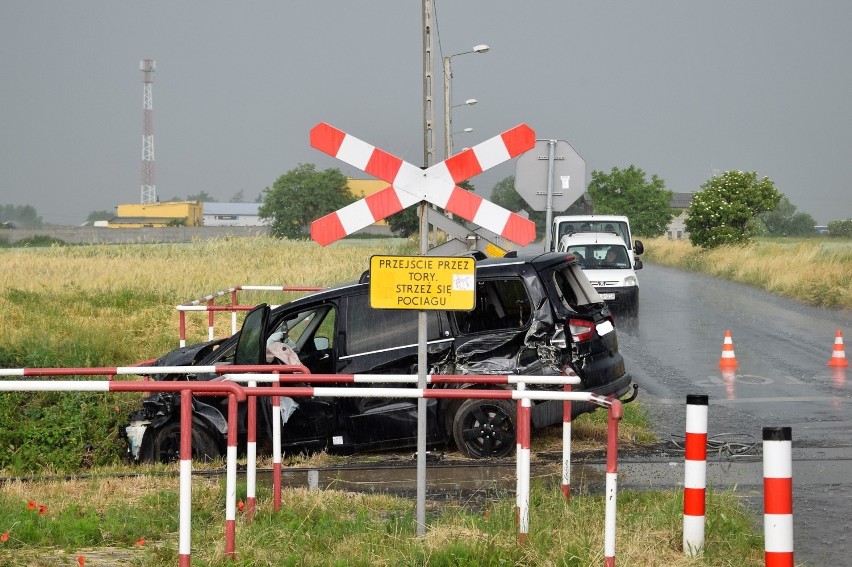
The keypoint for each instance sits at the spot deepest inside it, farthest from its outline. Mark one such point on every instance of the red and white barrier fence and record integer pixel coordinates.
(614, 406)
(207, 304)
(778, 496)
(565, 380)
(237, 393)
(695, 474)
(186, 389)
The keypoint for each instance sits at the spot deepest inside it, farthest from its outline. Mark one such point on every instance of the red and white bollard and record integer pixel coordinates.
(695, 474)
(778, 496)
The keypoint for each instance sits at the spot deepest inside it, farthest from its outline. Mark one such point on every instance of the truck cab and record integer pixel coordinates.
(615, 224)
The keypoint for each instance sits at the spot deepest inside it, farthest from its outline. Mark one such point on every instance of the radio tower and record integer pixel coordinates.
(149, 189)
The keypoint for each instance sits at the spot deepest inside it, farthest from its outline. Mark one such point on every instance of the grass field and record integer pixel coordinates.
(816, 271)
(114, 305)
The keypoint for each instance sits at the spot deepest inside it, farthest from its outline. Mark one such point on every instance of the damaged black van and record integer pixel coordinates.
(535, 314)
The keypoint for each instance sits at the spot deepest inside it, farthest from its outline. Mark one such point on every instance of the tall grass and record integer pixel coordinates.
(135, 521)
(114, 305)
(816, 271)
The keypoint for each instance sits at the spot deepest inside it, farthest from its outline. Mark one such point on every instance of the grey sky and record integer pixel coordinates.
(676, 88)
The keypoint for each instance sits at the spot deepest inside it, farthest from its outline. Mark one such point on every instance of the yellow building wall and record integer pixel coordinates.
(364, 188)
(192, 211)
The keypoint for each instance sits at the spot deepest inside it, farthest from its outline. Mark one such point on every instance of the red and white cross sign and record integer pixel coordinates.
(410, 184)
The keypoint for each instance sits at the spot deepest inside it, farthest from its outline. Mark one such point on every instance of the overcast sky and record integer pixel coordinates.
(678, 89)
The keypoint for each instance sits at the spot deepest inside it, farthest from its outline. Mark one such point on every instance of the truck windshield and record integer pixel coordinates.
(614, 227)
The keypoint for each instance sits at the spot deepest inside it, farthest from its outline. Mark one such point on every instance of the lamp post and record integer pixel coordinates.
(463, 131)
(448, 79)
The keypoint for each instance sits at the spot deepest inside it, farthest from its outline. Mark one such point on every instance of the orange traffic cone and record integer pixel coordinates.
(838, 354)
(728, 360)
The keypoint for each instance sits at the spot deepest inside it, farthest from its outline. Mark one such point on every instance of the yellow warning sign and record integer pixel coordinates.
(423, 282)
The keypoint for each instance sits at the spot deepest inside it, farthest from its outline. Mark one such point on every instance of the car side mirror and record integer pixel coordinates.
(637, 265)
(638, 247)
(321, 343)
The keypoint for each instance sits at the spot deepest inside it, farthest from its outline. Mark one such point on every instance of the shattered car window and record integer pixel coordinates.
(302, 327)
(500, 304)
(574, 290)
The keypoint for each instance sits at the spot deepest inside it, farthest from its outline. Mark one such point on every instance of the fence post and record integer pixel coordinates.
(778, 496)
(695, 474)
(566, 445)
(234, 311)
(231, 480)
(613, 417)
(251, 454)
(210, 333)
(185, 521)
(276, 450)
(523, 463)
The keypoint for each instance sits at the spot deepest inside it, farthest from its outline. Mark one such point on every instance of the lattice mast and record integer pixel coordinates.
(149, 188)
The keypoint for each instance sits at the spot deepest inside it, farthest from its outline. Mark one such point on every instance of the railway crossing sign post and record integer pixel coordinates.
(536, 170)
(412, 185)
(465, 239)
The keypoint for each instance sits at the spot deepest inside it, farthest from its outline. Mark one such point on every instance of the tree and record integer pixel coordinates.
(721, 211)
(783, 220)
(23, 216)
(238, 197)
(627, 192)
(840, 228)
(100, 215)
(405, 223)
(301, 196)
(202, 196)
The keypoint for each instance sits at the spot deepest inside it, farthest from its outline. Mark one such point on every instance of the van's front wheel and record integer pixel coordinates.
(485, 428)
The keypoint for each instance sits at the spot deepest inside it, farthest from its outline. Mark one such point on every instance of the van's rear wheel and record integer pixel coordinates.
(162, 445)
(485, 428)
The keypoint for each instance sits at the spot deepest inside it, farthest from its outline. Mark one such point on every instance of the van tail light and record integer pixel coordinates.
(581, 329)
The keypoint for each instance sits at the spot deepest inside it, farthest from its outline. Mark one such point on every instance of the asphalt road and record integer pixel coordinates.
(673, 348)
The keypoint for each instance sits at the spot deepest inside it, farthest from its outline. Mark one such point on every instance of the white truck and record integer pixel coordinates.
(568, 224)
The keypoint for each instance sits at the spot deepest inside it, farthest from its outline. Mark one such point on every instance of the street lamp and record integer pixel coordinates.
(448, 78)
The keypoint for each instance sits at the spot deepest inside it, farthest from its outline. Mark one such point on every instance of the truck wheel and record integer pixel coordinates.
(162, 445)
(485, 428)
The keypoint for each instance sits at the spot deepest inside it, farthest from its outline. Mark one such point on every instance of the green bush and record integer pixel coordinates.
(840, 228)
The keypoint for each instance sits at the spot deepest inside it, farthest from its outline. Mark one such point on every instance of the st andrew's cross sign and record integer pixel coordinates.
(411, 184)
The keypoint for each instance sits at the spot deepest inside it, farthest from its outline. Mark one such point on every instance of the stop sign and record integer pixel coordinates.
(569, 175)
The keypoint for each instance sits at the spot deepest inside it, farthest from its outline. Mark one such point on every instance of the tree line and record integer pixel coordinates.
(730, 208)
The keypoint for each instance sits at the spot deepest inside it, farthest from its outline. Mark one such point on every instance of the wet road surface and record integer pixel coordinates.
(673, 348)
